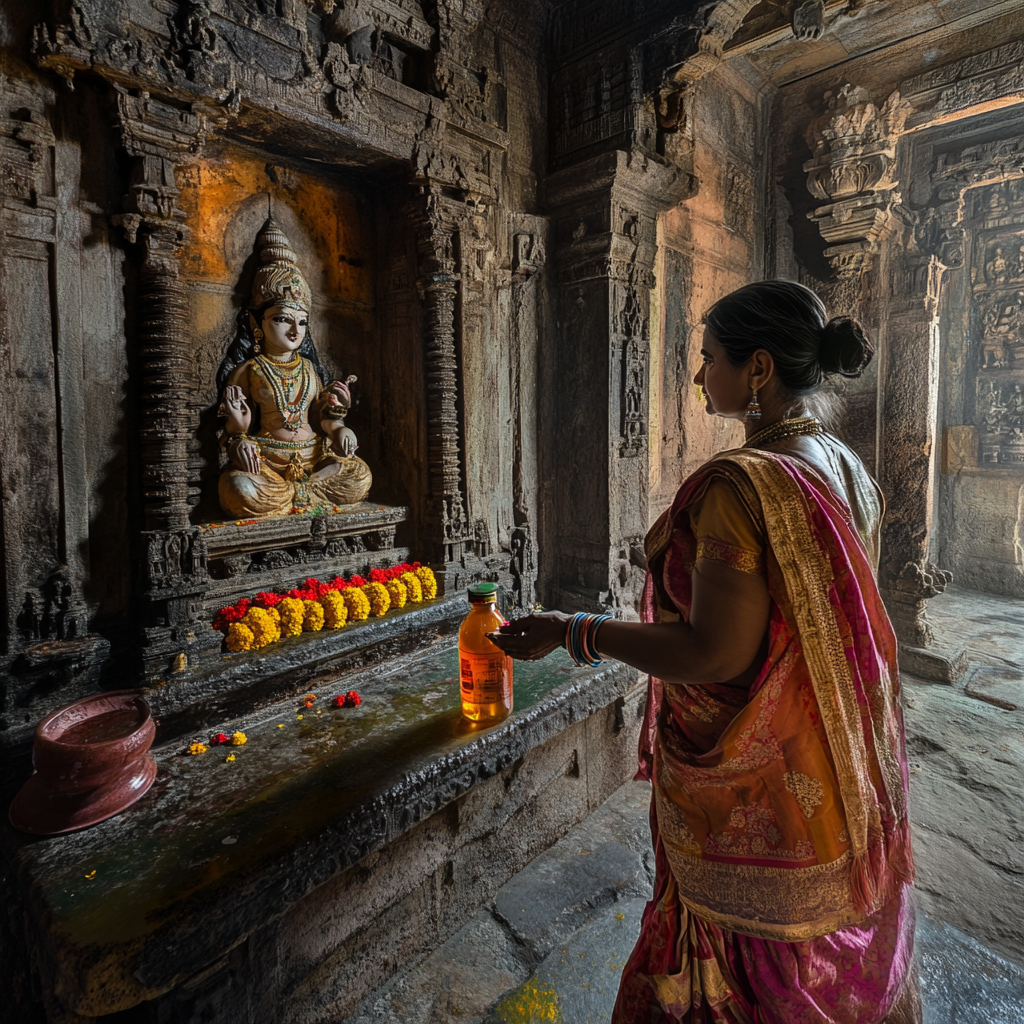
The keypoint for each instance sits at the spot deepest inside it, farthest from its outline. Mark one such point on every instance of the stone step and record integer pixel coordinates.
(552, 943)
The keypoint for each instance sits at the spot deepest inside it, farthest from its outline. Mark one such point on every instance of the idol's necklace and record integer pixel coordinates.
(283, 379)
(799, 426)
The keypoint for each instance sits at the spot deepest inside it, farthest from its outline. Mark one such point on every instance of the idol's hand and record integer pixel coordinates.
(531, 637)
(235, 409)
(338, 394)
(344, 442)
(246, 455)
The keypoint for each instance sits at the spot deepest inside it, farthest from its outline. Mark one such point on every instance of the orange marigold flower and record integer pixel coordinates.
(197, 748)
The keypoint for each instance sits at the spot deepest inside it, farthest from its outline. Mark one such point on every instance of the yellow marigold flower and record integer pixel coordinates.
(428, 582)
(380, 600)
(198, 748)
(335, 612)
(357, 603)
(240, 637)
(275, 615)
(238, 738)
(292, 612)
(398, 592)
(413, 585)
(265, 630)
(313, 620)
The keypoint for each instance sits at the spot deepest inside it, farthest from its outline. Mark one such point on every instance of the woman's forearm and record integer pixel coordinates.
(674, 652)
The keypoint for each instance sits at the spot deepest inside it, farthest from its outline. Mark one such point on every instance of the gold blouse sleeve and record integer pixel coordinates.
(725, 531)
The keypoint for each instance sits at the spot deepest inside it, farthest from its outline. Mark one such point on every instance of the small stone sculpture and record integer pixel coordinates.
(809, 20)
(284, 432)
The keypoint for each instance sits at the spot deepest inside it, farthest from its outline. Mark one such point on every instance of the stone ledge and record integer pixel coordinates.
(170, 895)
(235, 684)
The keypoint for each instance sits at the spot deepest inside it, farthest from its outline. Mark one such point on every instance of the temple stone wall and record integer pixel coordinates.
(708, 246)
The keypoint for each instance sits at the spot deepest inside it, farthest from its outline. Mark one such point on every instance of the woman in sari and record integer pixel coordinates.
(773, 734)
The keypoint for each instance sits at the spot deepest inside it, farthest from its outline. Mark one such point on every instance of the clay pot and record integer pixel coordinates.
(92, 761)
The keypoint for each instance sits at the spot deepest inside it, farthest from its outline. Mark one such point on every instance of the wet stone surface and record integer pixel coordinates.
(593, 918)
(218, 848)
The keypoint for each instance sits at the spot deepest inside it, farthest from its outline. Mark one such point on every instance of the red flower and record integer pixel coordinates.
(357, 581)
(266, 599)
(219, 738)
(312, 584)
(352, 699)
(339, 583)
(339, 701)
(378, 576)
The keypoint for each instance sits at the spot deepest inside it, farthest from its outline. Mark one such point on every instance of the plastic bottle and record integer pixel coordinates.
(485, 672)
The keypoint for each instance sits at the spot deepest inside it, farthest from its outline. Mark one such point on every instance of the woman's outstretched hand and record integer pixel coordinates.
(531, 637)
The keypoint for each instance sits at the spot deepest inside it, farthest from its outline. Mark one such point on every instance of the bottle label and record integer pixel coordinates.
(485, 678)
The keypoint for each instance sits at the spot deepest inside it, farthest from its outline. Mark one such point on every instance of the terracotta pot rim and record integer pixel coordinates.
(42, 738)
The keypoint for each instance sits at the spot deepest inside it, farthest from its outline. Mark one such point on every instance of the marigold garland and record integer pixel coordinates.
(252, 623)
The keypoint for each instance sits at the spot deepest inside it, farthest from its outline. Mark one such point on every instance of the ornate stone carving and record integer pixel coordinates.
(809, 20)
(156, 135)
(633, 325)
(438, 286)
(854, 146)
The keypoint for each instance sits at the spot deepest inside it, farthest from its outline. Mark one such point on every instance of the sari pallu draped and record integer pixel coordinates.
(779, 814)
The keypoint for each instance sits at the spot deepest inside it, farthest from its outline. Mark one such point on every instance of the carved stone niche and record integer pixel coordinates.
(854, 146)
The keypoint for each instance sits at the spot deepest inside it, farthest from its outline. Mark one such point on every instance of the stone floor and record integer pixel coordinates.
(551, 945)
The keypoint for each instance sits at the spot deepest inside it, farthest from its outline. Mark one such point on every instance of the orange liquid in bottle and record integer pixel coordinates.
(485, 672)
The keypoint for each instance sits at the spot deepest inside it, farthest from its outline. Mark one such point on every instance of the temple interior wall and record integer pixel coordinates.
(513, 216)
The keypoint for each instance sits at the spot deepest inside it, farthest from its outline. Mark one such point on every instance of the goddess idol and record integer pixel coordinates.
(284, 432)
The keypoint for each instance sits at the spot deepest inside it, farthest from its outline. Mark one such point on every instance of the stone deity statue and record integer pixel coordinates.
(284, 432)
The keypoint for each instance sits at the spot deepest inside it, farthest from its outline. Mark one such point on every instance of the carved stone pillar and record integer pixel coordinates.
(605, 215)
(158, 135)
(908, 449)
(437, 239)
(174, 575)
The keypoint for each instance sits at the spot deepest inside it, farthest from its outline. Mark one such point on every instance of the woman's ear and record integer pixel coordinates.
(762, 369)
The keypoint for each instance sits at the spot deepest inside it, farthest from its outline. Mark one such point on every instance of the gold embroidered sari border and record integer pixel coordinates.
(777, 932)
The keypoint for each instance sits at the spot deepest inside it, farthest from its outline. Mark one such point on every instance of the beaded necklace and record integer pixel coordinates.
(798, 426)
(292, 386)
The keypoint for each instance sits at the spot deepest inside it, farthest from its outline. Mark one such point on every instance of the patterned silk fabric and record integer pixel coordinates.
(779, 813)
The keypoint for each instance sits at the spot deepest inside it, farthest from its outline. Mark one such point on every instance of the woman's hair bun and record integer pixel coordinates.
(844, 347)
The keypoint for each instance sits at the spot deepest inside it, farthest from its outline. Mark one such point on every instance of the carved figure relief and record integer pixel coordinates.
(997, 332)
(809, 20)
(284, 432)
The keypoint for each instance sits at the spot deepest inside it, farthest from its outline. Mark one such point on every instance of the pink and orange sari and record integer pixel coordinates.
(779, 814)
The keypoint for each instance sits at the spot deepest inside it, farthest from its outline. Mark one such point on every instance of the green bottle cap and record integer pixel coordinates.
(481, 593)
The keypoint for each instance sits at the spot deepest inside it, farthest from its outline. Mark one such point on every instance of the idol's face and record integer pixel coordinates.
(284, 329)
